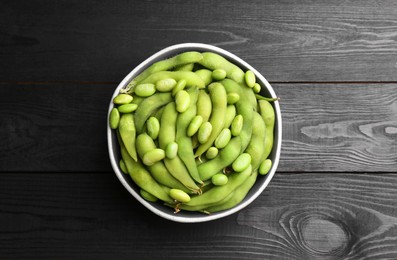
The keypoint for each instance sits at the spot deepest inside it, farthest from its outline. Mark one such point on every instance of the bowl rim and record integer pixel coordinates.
(276, 146)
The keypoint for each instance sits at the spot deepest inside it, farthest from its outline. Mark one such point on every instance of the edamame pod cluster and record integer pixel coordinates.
(194, 132)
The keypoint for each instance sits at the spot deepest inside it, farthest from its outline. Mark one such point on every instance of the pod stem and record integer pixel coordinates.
(259, 97)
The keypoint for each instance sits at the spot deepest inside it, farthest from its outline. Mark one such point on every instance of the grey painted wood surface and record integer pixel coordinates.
(286, 40)
(299, 216)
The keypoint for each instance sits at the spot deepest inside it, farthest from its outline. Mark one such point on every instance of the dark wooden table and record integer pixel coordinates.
(333, 63)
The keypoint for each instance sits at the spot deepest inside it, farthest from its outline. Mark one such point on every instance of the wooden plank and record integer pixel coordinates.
(50, 127)
(299, 216)
(339, 127)
(287, 41)
(332, 127)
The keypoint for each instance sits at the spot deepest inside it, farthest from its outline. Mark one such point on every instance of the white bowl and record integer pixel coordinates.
(183, 216)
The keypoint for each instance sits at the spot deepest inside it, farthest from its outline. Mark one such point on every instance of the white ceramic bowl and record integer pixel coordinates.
(183, 216)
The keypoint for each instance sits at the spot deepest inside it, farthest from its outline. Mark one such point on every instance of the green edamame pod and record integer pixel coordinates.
(127, 108)
(182, 101)
(147, 196)
(114, 118)
(212, 152)
(204, 105)
(267, 113)
(163, 65)
(153, 127)
(153, 156)
(194, 125)
(204, 132)
(165, 85)
(179, 195)
(218, 193)
(219, 103)
(218, 74)
(265, 167)
(192, 79)
(185, 147)
(137, 100)
(237, 125)
(230, 115)
(122, 166)
(250, 78)
(128, 133)
(185, 67)
(142, 177)
(256, 88)
(242, 162)
(121, 99)
(180, 85)
(145, 90)
(256, 147)
(225, 158)
(232, 98)
(168, 135)
(223, 138)
(200, 207)
(144, 144)
(215, 61)
(238, 195)
(148, 106)
(219, 179)
(171, 150)
(205, 75)
(244, 107)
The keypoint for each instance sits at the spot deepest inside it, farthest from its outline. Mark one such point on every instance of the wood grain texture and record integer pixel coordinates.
(299, 216)
(51, 127)
(287, 41)
(326, 127)
(339, 127)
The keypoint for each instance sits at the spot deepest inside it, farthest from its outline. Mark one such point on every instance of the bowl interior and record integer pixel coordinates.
(261, 182)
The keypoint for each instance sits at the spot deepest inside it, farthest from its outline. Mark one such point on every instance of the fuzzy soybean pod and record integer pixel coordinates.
(128, 133)
(194, 125)
(163, 65)
(122, 99)
(145, 144)
(250, 78)
(237, 196)
(114, 118)
(192, 79)
(218, 193)
(166, 136)
(142, 177)
(219, 107)
(147, 108)
(200, 207)
(153, 127)
(165, 85)
(205, 75)
(185, 147)
(185, 67)
(180, 85)
(225, 157)
(256, 147)
(230, 115)
(244, 108)
(204, 105)
(267, 112)
(215, 61)
(237, 125)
